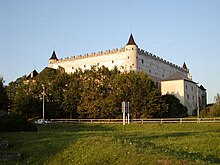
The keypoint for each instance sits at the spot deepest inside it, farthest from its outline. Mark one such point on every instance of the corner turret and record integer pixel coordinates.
(131, 52)
(184, 66)
(131, 40)
(53, 56)
(52, 60)
(131, 45)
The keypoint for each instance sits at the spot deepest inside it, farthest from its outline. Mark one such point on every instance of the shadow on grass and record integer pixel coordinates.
(50, 140)
(145, 142)
(65, 127)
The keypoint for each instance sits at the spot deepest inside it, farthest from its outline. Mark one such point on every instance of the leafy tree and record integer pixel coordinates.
(96, 88)
(137, 88)
(25, 101)
(175, 108)
(72, 96)
(3, 97)
(215, 108)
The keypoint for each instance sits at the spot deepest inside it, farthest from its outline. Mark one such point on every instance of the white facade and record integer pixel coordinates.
(130, 57)
(187, 91)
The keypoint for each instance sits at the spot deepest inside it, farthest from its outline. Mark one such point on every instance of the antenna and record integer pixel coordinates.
(130, 29)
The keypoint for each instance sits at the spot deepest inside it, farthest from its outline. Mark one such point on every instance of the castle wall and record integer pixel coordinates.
(123, 60)
(156, 67)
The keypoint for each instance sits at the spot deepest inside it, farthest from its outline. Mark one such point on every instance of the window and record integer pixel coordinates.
(72, 67)
(84, 66)
(188, 96)
(142, 61)
(193, 97)
(186, 86)
(112, 61)
(128, 57)
(192, 88)
(98, 64)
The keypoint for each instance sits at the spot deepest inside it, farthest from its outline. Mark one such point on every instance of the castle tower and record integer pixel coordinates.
(52, 59)
(131, 51)
(187, 70)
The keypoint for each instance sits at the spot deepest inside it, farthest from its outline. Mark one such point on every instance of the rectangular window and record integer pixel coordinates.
(188, 96)
(186, 86)
(112, 61)
(142, 61)
(192, 88)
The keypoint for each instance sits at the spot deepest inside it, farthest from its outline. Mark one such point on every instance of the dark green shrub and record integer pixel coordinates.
(16, 123)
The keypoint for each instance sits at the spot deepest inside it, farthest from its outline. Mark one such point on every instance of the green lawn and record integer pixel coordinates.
(197, 143)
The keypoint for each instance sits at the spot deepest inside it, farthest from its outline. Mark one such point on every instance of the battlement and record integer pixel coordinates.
(88, 55)
(143, 52)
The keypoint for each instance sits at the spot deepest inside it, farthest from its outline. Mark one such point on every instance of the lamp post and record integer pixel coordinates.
(43, 99)
(197, 87)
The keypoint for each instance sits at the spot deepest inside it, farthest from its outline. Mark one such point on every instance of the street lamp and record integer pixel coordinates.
(43, 99)
(197, 87)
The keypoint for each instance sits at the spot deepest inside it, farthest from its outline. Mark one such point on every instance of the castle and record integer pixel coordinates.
(130, 57)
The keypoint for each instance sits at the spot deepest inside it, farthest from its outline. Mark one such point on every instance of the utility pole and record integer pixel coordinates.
(43, 99)
(197, 101)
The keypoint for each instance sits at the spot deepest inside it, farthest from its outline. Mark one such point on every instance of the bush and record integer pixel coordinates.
(175, 108)
(16, 123)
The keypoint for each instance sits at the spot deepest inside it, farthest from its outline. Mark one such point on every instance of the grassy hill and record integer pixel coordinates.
(197, 143)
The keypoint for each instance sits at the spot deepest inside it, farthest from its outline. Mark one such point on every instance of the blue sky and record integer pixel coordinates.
(176, 30)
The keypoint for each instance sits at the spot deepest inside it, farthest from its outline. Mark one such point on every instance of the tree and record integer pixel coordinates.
(72, 96)
(175, 108)
(96, 88)
(215, 108)
(137, 88)
(3, 97)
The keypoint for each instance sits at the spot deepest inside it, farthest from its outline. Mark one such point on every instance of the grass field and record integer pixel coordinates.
(197, 143)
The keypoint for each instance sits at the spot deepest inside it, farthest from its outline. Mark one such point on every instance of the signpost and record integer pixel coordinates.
(125, 112)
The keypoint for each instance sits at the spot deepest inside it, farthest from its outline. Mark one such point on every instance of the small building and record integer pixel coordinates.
(187, 91)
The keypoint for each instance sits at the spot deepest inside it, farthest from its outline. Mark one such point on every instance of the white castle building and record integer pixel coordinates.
(130, 57)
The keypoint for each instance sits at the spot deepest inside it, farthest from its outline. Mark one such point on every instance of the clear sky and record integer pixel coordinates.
(175, 30)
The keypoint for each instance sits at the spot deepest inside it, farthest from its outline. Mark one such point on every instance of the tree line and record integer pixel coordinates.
(94, 93)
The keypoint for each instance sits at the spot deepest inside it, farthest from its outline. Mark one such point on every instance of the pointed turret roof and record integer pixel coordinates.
(53, 56)
(131, 41)
(184, 66)
(33, 74)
